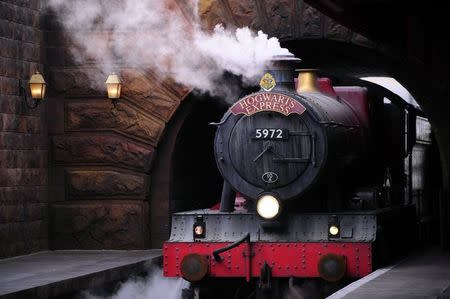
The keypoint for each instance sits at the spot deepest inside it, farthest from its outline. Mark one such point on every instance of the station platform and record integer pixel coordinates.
(425, 275)
(58, 273)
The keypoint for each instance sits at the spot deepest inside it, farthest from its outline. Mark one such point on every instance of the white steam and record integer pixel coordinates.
(154, 34)
(154, 286)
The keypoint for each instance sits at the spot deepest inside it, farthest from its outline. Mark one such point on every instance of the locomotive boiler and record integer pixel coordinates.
(302, 197)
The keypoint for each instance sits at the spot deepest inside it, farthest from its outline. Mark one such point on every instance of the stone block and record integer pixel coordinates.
(11, 213)
(146, 90)
(361, 40)
(26, 17)
(21, 177)
(100, 225)
(31, 52)
(16, 105)
(91, 183)
(21, 237)
(142, 88)
(101, 115)
(9, 48)
(23, 159)
(336, 31)
(13, 68)
(29, 34)
(103, 149)
(35, 212)
(74, 82)
(20, 123)
(6, 29)
(210, 13)
(245, 13)
(30, 214)
(279, 17)
(23, 194)
(9, 86)
(7, 11)
(311, 22)
(11, 140)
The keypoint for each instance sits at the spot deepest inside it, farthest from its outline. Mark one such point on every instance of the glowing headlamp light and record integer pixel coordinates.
(334, 230)
(268, 206)
(199, 228)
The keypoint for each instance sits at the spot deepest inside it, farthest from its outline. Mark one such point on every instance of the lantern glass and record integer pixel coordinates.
(113, 86)
(37, 91)
(114, 90)
(37, 86)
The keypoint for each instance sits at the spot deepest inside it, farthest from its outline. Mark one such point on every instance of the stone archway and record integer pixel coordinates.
(184, 176)
(104, 190)
(286, 20)
(102, 158)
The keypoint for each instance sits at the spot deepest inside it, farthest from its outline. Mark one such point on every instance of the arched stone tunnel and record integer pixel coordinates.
(111, 169)
(107, 192)
(107, 189)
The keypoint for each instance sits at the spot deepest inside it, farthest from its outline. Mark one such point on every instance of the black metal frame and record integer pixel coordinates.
(199, 221)
(114, 102)
(25, 96)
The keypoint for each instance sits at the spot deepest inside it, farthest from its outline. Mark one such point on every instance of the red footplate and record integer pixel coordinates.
(284, 259)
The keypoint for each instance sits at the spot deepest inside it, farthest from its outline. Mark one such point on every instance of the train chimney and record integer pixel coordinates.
(307, 80)
(282, 70)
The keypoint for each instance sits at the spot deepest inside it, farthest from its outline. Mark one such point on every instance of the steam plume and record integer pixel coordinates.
(153, 286)
(150, 34)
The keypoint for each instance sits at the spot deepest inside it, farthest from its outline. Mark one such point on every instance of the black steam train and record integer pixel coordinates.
(318, 182)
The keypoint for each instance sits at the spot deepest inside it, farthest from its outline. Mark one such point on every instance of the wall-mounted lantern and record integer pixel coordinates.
(36, 87)
(114, 88)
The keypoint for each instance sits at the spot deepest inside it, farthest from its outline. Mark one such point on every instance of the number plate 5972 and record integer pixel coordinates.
(270, 133)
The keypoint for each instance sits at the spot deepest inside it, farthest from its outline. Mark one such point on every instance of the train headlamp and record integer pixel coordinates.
(268, 206)
(199, 228)
(334, 230)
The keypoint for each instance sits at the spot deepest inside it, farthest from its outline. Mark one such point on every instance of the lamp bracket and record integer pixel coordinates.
(26, 97)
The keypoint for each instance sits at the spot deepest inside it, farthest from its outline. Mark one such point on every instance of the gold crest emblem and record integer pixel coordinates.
(267, 82)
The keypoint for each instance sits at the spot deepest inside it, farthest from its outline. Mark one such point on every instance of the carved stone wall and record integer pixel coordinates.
(102, 155)
(285, 19)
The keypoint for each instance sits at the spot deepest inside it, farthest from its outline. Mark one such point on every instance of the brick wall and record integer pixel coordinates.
(23, 136)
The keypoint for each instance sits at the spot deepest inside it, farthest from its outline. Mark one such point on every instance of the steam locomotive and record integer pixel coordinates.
(317, 183)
